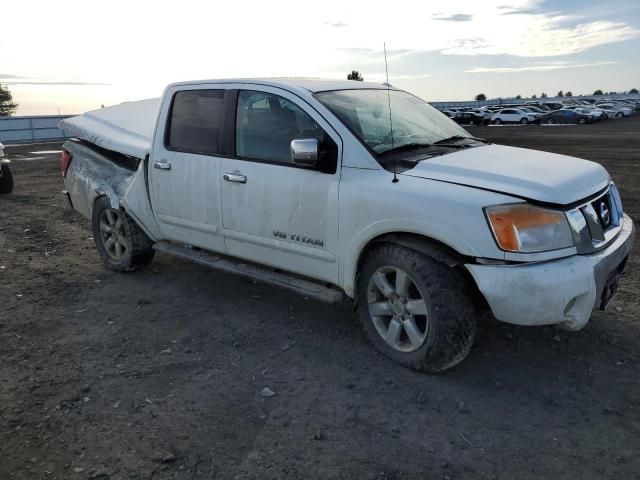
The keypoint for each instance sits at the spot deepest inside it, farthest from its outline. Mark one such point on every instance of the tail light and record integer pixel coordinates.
(65, 160)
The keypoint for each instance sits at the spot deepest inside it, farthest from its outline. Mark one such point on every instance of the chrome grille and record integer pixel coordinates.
(597, 222)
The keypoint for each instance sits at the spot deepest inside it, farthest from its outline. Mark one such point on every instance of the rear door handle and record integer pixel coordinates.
(235, 177)
(162, 165)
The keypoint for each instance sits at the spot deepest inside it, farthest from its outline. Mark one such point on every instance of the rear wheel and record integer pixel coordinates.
(550, 121)
(6, 179)
(415, 310)
(121, 243)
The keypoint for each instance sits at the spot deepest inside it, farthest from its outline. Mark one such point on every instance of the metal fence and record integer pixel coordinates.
(31, 129)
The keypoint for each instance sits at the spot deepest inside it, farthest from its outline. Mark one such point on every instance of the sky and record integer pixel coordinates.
(68, 56)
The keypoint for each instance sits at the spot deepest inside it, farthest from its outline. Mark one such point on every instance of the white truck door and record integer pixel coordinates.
(275, 212)
(184, 169)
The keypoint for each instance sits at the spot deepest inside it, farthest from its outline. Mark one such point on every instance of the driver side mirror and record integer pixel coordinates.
(304, 152)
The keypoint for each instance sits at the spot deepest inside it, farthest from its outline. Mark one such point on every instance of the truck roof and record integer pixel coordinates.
(128, 128)
(312, 85)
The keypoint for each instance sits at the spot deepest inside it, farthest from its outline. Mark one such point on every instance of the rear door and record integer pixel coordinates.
(274, 211)
(184, 169)
(509, 115)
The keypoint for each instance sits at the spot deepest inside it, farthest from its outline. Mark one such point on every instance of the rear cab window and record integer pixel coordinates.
(194, 122)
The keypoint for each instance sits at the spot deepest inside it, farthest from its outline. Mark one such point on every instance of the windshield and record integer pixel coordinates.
(366, 113)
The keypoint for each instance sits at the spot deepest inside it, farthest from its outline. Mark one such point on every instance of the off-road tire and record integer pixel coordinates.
(139, 251)
(452, 325)
(6, 179)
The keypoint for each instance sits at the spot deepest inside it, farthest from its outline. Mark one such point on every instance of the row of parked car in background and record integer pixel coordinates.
(545, 112)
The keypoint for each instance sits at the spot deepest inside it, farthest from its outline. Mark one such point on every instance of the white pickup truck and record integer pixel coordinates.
(315, 186)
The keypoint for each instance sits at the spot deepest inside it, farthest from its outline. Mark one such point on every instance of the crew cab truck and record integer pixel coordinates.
(318, 187)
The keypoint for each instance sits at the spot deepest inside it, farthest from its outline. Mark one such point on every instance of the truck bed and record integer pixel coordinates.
(126, 128)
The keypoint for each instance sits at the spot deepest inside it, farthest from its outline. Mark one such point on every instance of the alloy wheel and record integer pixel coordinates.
(112, 233)
(398, 309)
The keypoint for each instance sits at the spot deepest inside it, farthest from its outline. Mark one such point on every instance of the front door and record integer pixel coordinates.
(184, 170)
(275, 212)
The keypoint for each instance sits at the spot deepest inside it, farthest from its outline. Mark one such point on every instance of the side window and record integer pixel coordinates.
(266, 124)
(194, 121)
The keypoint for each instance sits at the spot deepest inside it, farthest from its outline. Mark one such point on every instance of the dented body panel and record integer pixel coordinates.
(91, 175)
(318, 225)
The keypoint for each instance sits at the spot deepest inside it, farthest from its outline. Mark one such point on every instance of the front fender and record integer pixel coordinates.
(408, 226)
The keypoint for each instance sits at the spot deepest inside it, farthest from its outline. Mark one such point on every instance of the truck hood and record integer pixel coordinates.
(531, 174)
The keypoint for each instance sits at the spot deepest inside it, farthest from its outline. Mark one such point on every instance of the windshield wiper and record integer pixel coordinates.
(416, 146)
(455, 138)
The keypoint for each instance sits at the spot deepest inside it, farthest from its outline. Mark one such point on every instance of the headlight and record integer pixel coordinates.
(525, 228)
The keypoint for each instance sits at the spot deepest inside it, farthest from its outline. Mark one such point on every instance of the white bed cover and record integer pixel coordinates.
(126, 128)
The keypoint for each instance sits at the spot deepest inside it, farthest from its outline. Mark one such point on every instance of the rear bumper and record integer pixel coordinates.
(563, 291)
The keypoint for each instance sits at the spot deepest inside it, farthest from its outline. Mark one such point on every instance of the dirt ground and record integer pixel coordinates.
(158, 374)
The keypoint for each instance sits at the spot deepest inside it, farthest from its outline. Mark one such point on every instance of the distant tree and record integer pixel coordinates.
(518, 97)
(633, 90)
(7, 105)
(481, 97)
(568, 94)
(355, 75)
(534, 96)
(543, 95)
(560, 94)
(598, 92)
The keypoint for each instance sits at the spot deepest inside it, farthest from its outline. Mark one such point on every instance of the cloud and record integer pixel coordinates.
(535, 68)
(26, 82)
(336, 24)
(23, 80)
(457, 17)
(532, 9)
(542, 36)
(380, 77)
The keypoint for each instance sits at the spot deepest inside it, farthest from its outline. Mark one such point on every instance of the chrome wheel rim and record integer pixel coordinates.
(112, 234)
(398, 309)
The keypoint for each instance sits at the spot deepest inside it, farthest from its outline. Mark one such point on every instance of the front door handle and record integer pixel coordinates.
(162, 165)
(235, 177)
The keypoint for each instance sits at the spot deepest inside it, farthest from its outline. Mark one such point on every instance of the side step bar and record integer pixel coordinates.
(301, 286)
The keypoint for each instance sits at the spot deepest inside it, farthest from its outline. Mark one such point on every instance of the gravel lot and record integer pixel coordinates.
(158, 374)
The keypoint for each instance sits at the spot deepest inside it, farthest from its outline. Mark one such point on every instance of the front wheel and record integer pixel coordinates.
(497, 121)
(524, 121)
(550, 121)
(414, 309)
(582, 121)
(120, 242)
(619, 115)
(6, 179)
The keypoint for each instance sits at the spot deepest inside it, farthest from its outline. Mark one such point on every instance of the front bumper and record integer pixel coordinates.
(563, 291)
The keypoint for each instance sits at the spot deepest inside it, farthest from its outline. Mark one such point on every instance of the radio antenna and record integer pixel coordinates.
(393, 154)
